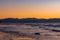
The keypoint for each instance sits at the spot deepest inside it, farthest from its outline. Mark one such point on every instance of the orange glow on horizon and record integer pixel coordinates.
(30, 9)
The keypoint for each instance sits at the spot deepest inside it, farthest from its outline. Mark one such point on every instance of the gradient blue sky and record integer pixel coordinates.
(30, 8)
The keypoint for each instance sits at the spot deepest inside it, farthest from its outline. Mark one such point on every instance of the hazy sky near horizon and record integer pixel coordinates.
(29, 8)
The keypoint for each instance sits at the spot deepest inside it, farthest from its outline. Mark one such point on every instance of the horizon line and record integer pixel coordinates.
(32, 17)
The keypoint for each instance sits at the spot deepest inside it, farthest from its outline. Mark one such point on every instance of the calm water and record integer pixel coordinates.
(46, 31)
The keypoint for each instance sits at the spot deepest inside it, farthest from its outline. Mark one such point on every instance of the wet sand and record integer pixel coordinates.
(7, 36)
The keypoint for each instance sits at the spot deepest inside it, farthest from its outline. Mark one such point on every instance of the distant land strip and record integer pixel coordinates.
(29, 20)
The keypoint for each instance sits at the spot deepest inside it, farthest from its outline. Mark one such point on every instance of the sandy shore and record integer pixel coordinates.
(6, 36)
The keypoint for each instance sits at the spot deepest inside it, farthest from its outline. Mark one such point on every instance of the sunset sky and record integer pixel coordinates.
(29, 8)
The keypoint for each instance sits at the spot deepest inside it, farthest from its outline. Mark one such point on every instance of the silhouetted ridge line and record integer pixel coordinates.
(29, 20)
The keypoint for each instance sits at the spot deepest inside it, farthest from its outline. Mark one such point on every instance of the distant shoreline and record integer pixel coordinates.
(29, 20)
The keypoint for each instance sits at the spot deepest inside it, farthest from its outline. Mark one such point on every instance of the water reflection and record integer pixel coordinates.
(34, 30)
